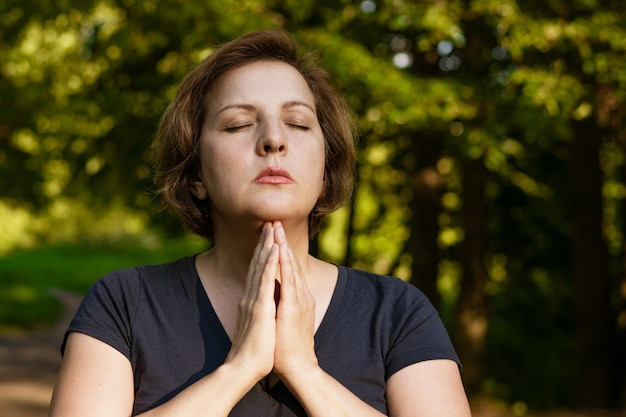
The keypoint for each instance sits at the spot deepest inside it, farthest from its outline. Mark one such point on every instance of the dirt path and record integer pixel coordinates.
(29, 363)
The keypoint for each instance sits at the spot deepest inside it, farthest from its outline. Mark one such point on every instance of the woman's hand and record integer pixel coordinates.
(255, 335)
(294, 353)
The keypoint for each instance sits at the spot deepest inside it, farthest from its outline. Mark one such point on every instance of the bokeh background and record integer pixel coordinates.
(492, 165)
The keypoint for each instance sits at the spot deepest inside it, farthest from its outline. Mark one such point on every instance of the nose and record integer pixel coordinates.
(272, 137)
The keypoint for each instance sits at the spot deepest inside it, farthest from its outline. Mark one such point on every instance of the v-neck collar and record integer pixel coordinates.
(323, 331)
(330, 319)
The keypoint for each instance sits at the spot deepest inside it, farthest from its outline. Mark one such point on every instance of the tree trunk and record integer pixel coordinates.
(470, 318)
(348, 257)
(425, 209)
(589, 270)
(619, 394)
(620, 343)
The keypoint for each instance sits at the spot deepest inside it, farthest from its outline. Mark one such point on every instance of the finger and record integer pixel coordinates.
(293, 285)
(268, 277)
(286, 266)
(290, 265)
(279, 233)
(265, 293)
(279, 238)
(262, 237)
(295, 288)
(259, 260)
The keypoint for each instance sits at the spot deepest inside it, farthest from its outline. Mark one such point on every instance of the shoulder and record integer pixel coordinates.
(370, 278)
(124, 289)
(133, 277)
(395, 305)
(403, 321)
(109, 309)
(383, 287)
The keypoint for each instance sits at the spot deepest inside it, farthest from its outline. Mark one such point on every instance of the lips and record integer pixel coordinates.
(273, 175)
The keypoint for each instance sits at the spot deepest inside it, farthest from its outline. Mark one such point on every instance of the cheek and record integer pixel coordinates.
(320, 177)
(215, 171)
(218, 161)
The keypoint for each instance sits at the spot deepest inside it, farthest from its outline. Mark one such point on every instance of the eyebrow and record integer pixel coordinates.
(250, 107)
(295, 103)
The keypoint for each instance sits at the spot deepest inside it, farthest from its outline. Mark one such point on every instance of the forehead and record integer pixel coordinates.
(260, 80)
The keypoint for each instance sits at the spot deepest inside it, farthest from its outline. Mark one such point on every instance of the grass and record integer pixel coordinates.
(27, 276)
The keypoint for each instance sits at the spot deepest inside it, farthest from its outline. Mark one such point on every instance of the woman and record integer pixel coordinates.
(255, 149)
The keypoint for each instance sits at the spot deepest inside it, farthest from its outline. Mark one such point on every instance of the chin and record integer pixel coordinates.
(274, 208)
(283, 215)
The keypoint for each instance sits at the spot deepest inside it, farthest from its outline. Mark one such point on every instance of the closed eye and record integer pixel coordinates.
(235, 128)
(298, 125)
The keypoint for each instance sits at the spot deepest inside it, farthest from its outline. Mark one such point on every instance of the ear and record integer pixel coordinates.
(197, 188)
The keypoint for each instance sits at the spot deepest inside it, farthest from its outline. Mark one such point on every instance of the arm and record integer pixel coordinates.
(97, 380)
(322, 395)
(94, 379)
(427, 389)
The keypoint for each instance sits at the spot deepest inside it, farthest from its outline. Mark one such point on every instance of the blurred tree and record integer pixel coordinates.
(552, 45)
(85, 83)
(525, 77)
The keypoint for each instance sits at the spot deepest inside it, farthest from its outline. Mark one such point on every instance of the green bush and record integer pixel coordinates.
(28, 276)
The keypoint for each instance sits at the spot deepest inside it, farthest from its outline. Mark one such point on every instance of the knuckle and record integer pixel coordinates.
(244, 306)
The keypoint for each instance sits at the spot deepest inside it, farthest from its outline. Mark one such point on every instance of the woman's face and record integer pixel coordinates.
(262, 148)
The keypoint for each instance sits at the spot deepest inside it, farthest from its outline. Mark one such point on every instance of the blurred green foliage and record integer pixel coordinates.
(29, 277)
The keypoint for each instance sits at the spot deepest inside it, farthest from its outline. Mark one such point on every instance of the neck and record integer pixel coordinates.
(234, 245)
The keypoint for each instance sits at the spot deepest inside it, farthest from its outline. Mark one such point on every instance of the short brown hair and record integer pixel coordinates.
(176, 145)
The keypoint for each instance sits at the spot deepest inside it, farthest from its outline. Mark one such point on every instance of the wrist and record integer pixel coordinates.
(296, 372)
(241, 371)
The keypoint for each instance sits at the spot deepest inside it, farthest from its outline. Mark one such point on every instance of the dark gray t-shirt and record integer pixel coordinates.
(161, 319)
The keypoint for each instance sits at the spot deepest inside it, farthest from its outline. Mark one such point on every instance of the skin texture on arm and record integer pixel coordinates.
(94, 379)
(427, 389)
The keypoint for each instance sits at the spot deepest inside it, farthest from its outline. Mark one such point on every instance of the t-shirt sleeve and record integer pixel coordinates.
(108, 309)
(419, 334)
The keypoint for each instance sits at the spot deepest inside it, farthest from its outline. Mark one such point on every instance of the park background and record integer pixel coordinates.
(492, 165)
